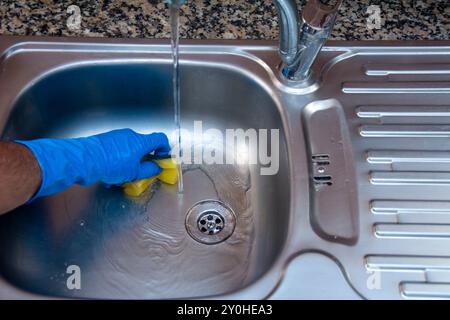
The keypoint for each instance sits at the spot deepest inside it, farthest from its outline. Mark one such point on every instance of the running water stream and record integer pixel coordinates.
(175, 34)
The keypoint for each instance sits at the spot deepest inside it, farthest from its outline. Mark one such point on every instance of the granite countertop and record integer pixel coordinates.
(218, 19)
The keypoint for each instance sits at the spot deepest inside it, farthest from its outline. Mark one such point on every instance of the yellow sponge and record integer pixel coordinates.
(135, 189)
(169, 175)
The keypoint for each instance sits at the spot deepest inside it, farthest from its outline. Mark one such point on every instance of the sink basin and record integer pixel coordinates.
(138, 247)
(359, 208)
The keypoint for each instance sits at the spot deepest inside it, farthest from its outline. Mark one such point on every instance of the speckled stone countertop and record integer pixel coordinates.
(218, 19)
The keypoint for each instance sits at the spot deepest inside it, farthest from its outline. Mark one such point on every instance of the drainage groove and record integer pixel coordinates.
(210, 222)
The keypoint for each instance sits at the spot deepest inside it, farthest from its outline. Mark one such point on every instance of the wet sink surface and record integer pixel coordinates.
(360, 207)
(139, 248)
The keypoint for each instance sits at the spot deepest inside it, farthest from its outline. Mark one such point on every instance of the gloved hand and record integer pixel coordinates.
(112, 158)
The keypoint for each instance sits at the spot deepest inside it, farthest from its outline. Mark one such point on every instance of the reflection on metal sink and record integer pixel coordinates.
(360, 206)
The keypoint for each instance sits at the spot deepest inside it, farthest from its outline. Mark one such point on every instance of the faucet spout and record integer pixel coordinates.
(289, 30)
(301, 39)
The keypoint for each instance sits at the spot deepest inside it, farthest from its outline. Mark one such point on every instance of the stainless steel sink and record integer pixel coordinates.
(360, 207)
(132, 248)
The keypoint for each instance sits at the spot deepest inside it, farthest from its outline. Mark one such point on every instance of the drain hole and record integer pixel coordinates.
(320, 157)
(210, 222)
(322, 178)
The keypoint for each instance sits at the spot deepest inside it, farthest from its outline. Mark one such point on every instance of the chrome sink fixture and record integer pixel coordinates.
(359, 208)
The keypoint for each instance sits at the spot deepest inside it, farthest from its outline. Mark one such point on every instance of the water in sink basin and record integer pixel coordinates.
(152, 242)
(128, 248)
(138, 247)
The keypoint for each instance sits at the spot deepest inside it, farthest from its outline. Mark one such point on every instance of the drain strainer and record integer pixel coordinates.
(210, 221)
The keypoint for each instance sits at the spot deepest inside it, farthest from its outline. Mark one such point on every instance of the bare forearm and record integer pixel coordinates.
(20, 175)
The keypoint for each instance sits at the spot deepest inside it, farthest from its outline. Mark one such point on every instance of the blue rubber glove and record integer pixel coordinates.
(112, 158)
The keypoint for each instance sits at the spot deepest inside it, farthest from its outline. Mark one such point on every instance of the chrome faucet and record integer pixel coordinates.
(302, 40)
